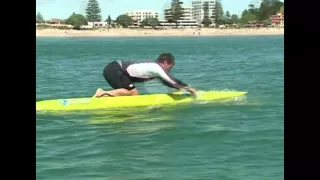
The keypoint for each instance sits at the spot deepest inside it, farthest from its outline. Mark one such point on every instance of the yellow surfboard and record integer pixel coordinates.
(132, 101)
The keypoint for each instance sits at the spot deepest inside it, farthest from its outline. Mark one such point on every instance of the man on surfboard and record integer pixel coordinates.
(121, 76)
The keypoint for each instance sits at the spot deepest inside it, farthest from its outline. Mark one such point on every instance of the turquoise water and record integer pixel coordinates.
(234, 140)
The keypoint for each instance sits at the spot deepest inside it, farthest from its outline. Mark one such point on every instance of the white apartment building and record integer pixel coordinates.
(140, 15)
(185, 21)
(197, 9)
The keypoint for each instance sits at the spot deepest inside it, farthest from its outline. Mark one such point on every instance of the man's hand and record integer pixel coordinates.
(192, 91)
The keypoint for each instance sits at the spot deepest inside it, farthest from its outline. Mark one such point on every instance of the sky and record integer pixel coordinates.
(62, 9)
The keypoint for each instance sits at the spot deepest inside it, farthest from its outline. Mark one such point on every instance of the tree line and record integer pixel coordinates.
(261, 14)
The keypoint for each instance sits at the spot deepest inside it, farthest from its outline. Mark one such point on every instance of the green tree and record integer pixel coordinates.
(108, 20)
(244, 12)
(77, 20)
(150, 21)
(124, 20)
(227, 14)
(276, 6)
(235, 18)
(250, 14)
(268, 8)
(282, 9)
(218, 11)
(264, 12)
(253, 10)
(93, 11)
(176, 11)
(248, 17)
(226, 20)
(39, 18)
(267, 22)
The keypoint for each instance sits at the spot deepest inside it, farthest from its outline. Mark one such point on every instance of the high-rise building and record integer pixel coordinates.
(140, 15)
(197, 9)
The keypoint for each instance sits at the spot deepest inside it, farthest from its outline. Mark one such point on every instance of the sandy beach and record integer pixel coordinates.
(150, 32)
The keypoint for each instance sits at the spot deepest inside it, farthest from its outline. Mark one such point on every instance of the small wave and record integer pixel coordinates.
(224, 90)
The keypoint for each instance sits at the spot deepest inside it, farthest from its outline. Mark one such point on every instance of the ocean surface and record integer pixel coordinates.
(241, 139)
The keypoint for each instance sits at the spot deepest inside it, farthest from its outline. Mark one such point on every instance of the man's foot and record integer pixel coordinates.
(100, 92)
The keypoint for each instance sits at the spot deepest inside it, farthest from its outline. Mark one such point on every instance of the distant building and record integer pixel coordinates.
(55, 22)
(277, 20)
(95, 24)
(185, 21)
(140, 15)
(197, 10)
(254, 24)
(180, 24)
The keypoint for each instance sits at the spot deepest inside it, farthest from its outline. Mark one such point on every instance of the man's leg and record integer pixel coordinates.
(119, 81)
(116, 92)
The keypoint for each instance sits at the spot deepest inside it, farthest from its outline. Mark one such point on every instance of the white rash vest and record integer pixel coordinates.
(145, 71)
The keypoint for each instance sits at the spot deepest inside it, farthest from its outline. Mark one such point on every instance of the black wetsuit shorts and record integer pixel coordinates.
(116, 77)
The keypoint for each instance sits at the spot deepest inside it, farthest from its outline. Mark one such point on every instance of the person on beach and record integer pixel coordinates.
(121, 76)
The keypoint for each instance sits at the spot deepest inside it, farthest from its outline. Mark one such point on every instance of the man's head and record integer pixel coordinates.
(166, 61)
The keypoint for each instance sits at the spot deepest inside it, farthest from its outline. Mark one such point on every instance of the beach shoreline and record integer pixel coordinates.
(154, 33)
